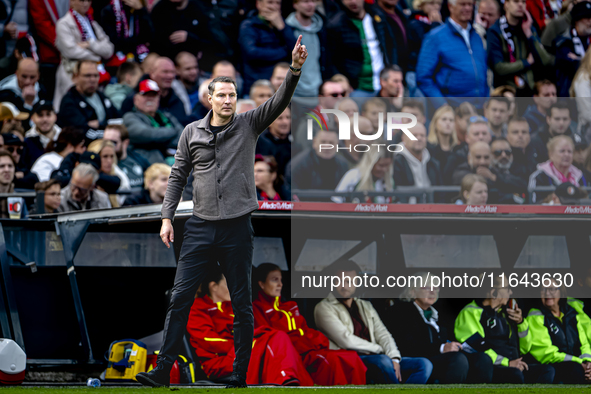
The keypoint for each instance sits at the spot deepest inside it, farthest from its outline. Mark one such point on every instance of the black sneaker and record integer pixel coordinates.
(158, 377)
(236, 382)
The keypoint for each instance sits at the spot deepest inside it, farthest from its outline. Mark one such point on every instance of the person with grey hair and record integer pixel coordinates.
(423, 334)
(244, 105)
(80, 194)
(261, 91)
(220, 150)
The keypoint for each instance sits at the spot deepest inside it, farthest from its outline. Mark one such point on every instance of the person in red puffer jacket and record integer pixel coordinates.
(273, 359)
(327, 367)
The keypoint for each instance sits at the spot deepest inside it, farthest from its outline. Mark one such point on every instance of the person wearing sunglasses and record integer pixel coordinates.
(504, 163)
(23, 177)
(559, 338)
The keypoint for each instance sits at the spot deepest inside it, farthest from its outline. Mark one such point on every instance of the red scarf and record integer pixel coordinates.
(83, 32)
(122, 27)
(265, 197)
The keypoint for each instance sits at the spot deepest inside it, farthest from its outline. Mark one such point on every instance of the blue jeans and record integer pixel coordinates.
(380, 370)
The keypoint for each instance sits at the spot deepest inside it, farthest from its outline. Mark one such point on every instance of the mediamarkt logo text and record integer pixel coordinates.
(345, 130)
(579, 210)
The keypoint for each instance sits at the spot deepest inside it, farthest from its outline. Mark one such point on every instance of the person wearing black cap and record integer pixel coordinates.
(571, 47)
(39, 136)
(23, 177)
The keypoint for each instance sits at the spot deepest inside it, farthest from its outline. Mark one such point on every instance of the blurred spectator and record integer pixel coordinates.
(477, 131)
(581, 89)
(129, 27)
(278, 134)
(64, 173)
(46, 13)
(398, 21)
(426, 17)
(462, 113)
(344, 81)
(84, 106)
(7, 170)
(559, 329)
(163, 73)
(373, 173)
(558, 169)
(155, 184)
(328, 94)
(264, 40)
(353, 323)
(508, 187)
(423, 334)
(148, 64)
(571, 47)
(509, 93)
(106, 151)
(78, 38)
(186, 86)
(151, 130)
(25, 82)
(269, 183)
(23, 178)
(453, 52)
(26, 48)
(14, 23)
(442, 135)
(568, 194)
(496, 110)
(218, 29)
(474, 190)
(14, 125)
(515, 53)
(558, 26)
(364, 31)
(372, 109)
(261, 91)
(318, 168)
(177, 27)
(327, 367)
(128, 76)
(489, 11)
(541, 12)
(201, 109)
(544, 97)
(413, 165)
(558, 123)
(415, 107)
(81, 194)
(311, 26)
(52, 196)
(278, 75)
(70, 140)
(244, 105)
(503, 161)
(41, 134)
(392, 87)
(518, 136)
(223, 68)
(130, 162)
(347, 149)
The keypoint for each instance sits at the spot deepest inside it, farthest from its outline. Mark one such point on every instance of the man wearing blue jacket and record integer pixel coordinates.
(452, 60)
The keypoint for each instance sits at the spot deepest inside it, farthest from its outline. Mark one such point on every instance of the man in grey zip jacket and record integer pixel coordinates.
(220, 150)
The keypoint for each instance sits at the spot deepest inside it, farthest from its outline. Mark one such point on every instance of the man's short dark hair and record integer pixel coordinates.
(80, 63)
(560, 105)
(127, 68)
(538, 85)
(122, 130)
(416, 104)
(211, 86)
(317, 131)
(517, 119)
(343, 265)
(387, 70)
(497, 139)
(500, 99)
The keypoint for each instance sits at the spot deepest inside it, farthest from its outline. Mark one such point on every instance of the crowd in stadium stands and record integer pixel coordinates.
(112, 84)
(492, 340)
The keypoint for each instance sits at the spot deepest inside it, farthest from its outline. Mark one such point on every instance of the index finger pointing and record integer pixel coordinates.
(299, 40)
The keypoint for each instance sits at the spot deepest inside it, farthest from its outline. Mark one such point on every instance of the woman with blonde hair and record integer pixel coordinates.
(581, 89)
(373, 173)
(474, 190)
(106, 151)
(442, 135)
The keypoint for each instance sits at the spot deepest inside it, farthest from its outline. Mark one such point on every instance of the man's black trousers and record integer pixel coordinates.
(205, 243)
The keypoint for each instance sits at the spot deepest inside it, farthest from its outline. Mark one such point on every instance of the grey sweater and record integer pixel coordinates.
(223, 168)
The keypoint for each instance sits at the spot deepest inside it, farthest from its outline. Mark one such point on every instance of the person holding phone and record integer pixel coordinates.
(488, 325)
